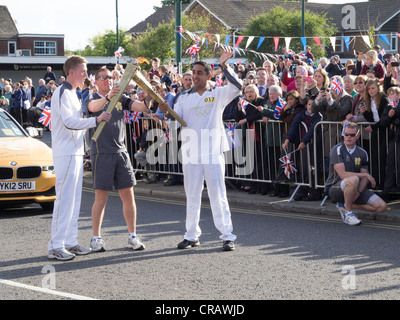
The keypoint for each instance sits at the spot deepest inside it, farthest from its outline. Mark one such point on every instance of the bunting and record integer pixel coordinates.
(195, 36)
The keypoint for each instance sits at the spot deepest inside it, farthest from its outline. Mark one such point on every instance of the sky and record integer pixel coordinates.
(80, 20)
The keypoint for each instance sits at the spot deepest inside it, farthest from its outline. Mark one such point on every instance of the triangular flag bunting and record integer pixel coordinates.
(367, 41)
(276, 41)
(249, 40)
(384, 38)
(239, 40)
(304, 42)
(347, 42)
(260, 42)
(318, 41)
(287, 43)
(333, 42)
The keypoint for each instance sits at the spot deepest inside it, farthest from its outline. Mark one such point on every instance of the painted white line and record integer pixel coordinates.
(45, 290)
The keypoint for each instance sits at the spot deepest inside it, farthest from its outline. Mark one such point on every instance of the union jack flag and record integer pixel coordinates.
(219, 81)
(167, 137)
(280, 104)
(393, 103)
(336, 85)
(135, 116)
(194, 49)
(127, 116)
(244, 105)
(45, 118)
(119, 52)
(231, 134)
(287, 165)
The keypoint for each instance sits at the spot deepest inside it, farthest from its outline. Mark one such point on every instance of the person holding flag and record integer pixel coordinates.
(250, 110)
(111, 165)
(301, 137)
(273, 131)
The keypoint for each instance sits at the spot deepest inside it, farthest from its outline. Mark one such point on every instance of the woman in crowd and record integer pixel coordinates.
(376, 103)
(247, 120)
(371, 62)
(273, 132)
(291, 109)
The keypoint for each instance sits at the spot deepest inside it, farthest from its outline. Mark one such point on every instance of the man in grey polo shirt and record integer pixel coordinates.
(110, 161)
(348, 178)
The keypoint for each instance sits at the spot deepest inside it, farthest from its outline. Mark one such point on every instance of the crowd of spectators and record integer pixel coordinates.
(363, 89)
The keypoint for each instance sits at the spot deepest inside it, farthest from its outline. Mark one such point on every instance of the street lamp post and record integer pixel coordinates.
(178, 39)
(116, 13)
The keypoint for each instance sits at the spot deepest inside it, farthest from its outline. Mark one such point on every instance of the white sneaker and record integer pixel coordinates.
(97, 244)
(135, 243)
(60, 254)
(78, 250)
(351, 219)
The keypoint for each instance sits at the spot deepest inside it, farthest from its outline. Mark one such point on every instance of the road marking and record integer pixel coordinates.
(280, 214)
(44, 290)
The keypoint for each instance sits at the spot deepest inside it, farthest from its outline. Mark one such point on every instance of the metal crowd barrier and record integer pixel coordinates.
(254, 153)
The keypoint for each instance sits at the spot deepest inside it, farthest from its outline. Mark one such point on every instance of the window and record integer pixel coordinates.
(47, 48)
(12, 48)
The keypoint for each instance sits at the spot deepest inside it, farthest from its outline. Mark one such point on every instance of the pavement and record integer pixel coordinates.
(262, 202)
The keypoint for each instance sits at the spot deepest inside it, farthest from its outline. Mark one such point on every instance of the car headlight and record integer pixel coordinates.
(49, 168)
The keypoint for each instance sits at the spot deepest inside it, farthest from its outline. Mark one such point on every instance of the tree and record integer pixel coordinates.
(280, 22)
(104, 45)
(160, 41)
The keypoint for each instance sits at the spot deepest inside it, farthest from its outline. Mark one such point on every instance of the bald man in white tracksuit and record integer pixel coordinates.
(203, 143)
(67, 130)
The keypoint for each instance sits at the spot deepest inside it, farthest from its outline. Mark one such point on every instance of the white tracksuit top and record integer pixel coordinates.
(67, 123)
(204, 138)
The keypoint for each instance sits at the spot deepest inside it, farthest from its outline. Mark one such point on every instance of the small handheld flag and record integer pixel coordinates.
(119, 52)
(244, 105)
(45, 117)
(393, 103)
(280, 104)
(287, 165)
(194, 49)
(336, 85)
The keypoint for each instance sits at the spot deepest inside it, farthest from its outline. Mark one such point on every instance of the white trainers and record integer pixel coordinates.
(97, 244)
(60, 254)
(78, 250)
(135, 243)
(351, 219)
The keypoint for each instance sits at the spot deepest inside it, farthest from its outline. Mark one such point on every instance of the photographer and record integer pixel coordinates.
(334, 68)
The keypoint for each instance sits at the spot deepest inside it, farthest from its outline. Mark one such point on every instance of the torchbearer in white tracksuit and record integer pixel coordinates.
(203, 143)
(67, 130)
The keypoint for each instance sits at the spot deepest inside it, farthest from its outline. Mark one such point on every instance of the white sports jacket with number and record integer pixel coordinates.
(204, 138)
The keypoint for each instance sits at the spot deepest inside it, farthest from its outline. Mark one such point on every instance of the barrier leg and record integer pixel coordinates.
(294, 193)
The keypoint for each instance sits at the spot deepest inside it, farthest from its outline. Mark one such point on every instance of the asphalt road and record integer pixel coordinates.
(279, 256)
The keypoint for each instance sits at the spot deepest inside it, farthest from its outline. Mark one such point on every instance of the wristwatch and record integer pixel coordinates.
(106, 96)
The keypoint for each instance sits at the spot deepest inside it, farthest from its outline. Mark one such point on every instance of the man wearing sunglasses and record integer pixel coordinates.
(349, 178)
(111, 166)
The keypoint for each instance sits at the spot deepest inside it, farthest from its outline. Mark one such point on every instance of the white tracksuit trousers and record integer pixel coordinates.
(64, 227)
(194, 175)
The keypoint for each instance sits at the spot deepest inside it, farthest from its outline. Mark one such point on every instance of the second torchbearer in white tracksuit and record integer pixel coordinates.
(203, 143)
(67, 129)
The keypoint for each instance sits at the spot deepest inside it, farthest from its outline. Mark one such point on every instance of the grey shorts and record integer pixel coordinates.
(112, 170)
(336, 193)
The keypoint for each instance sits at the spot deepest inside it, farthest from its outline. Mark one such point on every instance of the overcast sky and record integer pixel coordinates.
(80, 20)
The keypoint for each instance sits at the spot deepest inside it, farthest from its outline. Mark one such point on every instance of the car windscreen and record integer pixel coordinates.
(8, 128)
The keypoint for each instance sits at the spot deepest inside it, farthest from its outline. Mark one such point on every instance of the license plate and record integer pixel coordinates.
(17, 186)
